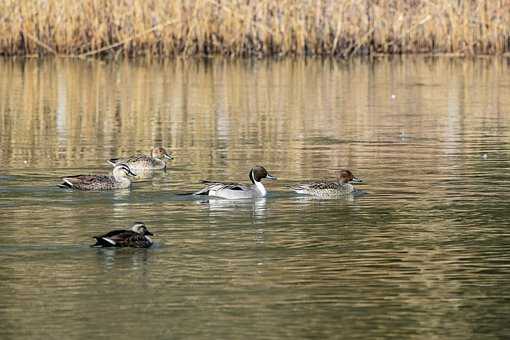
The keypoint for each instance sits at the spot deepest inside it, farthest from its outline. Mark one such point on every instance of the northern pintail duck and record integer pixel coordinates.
(118, 180)
(137, 237)
(238, 191)
(342, 186)
(156, 161)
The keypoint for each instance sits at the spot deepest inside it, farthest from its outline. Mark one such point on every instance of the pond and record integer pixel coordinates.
(423, 253)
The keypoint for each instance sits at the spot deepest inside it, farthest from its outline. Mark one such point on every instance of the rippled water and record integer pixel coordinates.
(423, 254)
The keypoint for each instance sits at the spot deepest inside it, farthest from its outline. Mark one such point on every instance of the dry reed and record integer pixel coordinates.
(253, 27)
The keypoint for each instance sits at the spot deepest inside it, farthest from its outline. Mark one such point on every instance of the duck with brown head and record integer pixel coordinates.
(236, 190)
(342, 186)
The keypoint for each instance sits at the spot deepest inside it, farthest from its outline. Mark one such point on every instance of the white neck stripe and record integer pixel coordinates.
(261, 189)
(252, 176)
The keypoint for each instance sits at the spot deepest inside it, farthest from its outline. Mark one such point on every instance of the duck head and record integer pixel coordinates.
(160, 153)
(258, 172)
(140, 228)
(122, 170)
(346, 176)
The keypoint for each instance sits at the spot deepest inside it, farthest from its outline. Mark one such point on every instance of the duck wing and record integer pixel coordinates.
(112, 238)
(211, 185)
(122, 238)
(324, 188)
(84, 181)
(321, 185)
(116, 234)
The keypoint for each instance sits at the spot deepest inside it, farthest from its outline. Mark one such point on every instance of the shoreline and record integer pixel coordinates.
(156, 58)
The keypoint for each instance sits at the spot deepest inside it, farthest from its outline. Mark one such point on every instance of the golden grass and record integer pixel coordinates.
(253, 27)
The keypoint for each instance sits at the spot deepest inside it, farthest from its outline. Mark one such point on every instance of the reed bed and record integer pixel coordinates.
(253, 27)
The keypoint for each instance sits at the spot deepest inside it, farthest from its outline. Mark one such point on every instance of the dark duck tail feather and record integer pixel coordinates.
(204, 191)
(113, 161)
(65, 185)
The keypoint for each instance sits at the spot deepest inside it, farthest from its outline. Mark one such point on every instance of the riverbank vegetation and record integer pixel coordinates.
(340, 28)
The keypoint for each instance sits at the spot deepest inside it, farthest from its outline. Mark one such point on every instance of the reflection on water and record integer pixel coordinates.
(423, 253)
(255, 207)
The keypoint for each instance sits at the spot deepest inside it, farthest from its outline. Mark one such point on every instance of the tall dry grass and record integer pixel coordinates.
(253, 27)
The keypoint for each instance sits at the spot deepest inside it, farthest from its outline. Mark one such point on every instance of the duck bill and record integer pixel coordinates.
(273, 178)
(149, 233)
(131, 173)
(167, 156)
(356, 180)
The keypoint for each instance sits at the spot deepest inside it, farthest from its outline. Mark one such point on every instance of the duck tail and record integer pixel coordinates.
(113, 161)
(98, 242)
(204, 191)
(293, 187)
(200, 192)
(65, 185)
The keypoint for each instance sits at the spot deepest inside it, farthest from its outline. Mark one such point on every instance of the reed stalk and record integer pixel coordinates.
(253, 27)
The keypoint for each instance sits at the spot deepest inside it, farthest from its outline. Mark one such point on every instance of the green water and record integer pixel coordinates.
(424, 254)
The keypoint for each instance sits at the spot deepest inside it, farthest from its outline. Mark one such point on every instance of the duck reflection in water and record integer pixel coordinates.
(257, 206)
(122, 258)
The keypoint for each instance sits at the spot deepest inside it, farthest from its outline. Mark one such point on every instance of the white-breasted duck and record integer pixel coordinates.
(236, 190)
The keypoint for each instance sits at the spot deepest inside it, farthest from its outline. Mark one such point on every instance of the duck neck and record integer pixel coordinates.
(121, 178)
(260, 188)
(160, 161)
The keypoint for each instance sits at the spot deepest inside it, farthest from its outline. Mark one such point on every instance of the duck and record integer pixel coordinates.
(236, 190)
(136, 237)
(118, 180)
(342, 186)
(156, 161)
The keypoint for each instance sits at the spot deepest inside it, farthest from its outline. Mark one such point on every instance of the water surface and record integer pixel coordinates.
(423, 254)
